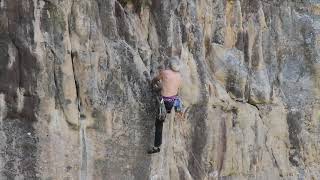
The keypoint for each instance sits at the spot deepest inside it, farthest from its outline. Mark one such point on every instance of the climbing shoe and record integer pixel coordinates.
(154, 150)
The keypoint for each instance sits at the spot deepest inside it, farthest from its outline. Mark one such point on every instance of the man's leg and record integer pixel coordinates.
(158, 133)
(157, 137)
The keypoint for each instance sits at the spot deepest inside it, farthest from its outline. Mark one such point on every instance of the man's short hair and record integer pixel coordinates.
(174, 64)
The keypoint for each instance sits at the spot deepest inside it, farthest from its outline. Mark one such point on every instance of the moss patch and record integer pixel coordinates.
(99, 120)
(57, 16)
(53, 18)
(137, 4)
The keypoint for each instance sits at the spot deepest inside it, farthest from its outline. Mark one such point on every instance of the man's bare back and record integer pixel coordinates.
(171, 82)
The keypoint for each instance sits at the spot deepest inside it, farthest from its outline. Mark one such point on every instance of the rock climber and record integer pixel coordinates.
(169, 79)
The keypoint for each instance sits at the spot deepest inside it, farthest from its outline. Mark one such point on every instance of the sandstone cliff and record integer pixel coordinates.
(75, 102)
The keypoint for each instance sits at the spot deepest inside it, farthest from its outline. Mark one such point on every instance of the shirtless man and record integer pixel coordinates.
(170, 80)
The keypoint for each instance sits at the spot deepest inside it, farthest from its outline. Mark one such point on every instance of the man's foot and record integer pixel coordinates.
(154, 150)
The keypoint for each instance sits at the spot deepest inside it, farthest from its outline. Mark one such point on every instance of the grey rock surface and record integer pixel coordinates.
(76, 103)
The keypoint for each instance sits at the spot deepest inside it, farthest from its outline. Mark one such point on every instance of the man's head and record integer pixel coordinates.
(174, 64)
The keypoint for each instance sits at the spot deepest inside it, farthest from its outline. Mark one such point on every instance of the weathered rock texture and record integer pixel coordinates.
(75, 102)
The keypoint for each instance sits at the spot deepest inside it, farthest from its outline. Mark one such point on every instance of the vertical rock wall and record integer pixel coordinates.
(75, 102)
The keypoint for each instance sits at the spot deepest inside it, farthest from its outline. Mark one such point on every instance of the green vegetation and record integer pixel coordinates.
(137, 4)
(57, 16)
(124, 2)
(99, 120)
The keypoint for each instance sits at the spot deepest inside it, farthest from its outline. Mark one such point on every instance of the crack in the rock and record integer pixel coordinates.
(255, 105)
(76, 82)
(55, 81)
(274, 160)
(19, 63)
(58, 89)
(276, 163)
(82, 131)
(79, 104)
(224, 145)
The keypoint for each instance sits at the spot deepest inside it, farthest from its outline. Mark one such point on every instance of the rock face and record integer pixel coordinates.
(75, 101)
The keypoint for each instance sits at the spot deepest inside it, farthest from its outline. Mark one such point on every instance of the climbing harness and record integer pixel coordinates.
(172, 102)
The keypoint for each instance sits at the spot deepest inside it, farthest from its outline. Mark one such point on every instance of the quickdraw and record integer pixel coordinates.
(162, 110)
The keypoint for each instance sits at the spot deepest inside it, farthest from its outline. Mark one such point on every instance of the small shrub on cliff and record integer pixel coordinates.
(137, 4)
